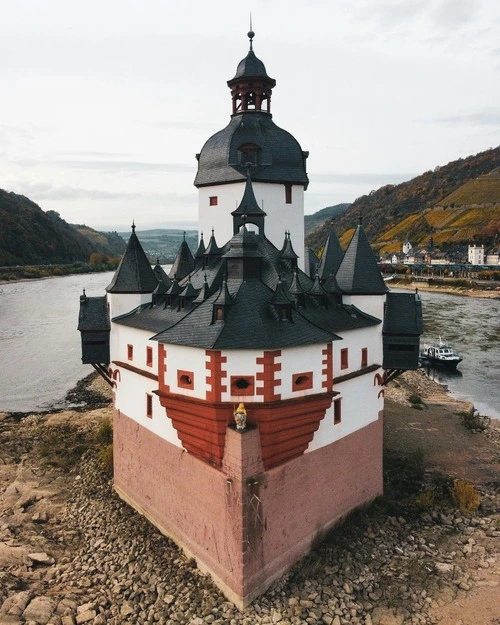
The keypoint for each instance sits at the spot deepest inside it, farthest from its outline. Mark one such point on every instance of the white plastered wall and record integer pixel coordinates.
(370, 304)
(121, 303)
(296, 360)
(270, 197)
(360, 405)
(191, 359)
(354, 341)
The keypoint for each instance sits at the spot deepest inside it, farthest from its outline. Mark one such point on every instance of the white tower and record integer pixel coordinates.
(252, 145)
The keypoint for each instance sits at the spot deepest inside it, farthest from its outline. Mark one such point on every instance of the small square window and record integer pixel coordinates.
(130, 352)
(337, 411)
(344, 358)
(364, 357)
(185, 379)
(242, 385)
(302, 381)
(213, 200)
(149, 406)
(149, 356)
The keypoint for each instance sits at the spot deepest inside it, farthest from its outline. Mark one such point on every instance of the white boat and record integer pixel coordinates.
(441, 353)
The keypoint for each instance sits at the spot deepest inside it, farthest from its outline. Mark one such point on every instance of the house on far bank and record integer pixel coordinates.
(476, 254)
(248, 386)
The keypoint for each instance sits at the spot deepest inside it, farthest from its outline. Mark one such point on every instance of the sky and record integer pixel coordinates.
(105, 103)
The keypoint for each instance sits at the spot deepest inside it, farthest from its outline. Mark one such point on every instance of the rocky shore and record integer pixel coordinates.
(71, 552)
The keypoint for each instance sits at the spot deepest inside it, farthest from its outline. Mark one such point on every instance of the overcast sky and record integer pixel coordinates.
(105, 103)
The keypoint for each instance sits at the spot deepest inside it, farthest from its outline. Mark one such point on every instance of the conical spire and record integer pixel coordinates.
(184, 261)
(358, 273)
(287, 251)
(332, 256)
(134, 273)
(204, 291)
(248, 209)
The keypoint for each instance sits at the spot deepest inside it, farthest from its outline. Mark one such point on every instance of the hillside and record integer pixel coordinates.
(311, 222)
(30, 236)
(389, 207)
(163, 243)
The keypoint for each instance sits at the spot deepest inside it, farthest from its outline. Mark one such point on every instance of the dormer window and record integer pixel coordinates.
(248, 154)
(219, 313)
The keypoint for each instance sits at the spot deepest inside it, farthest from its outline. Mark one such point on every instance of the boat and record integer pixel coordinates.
(441, 353)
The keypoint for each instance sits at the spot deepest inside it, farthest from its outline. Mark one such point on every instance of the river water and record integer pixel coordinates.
(40, 356)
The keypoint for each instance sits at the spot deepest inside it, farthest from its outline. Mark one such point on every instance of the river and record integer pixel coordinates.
(40, 356)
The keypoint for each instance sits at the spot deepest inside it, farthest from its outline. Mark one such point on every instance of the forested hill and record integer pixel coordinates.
(382, 209)
(30, 236)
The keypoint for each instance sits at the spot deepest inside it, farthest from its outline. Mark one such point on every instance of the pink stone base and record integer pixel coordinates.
(245, 526)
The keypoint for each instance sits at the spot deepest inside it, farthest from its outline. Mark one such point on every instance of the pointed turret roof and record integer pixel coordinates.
(251, 66)
(332, 256)
(287, 251)
(212, 248)
(162, 276)
(358, 273)
(189, 291)
(280, 296)
(184, 261)
(134, 273)
(201, 247)
(248, 204)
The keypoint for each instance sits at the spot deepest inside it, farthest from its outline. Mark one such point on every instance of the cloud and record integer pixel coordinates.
(129, 167)
(43, 191)
(486, 117)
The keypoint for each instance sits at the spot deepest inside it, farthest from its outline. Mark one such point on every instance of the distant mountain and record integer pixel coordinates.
(163, 243)
(387, 208)
(30, 236)
(311, 222)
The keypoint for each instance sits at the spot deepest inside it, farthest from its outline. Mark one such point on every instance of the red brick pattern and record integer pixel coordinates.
(162, 368)
(327, 370)
(268, 375)
(215, 375)
(201, 426)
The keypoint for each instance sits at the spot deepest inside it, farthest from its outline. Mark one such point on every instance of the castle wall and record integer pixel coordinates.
(244, 525)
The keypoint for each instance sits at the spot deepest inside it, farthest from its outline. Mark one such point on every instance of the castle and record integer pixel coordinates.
(248, 393)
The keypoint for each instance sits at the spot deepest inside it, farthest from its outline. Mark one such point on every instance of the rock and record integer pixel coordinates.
(85, 617)
(41, 558)
(443, 567)
(19, 601)
(40, 609)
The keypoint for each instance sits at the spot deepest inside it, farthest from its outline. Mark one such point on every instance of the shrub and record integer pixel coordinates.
(426, 498)
(472, 420)
(106, 458)
(104, 433)
(465, 496)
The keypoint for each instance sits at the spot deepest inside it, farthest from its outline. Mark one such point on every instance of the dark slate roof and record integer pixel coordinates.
(94, 314)
(331, 258)
(403, 314)
(281, 158)
(248, 204)
(184, 262)
(251, 322)
(251, 305)
(287, 251)
(134, 273)
(162, 277)
(251, 67)
(311, 261)
(358, 273)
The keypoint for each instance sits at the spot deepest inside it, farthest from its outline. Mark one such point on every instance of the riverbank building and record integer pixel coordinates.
(248, 391)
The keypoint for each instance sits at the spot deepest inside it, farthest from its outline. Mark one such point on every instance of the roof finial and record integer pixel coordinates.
(250, 33)
(360, 218)
(184, 235)
(133, 225)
